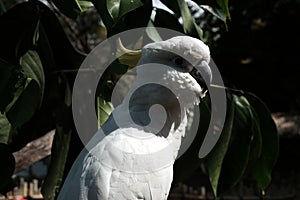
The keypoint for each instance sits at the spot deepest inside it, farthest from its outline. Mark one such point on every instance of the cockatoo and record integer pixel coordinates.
(135, 159)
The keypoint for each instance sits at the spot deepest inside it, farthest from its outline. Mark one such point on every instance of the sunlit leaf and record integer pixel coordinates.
(84, 5)
(104, 110)
(189, 24)
(113, 7)
(152, 32)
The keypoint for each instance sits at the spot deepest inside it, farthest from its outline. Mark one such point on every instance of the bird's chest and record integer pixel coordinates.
(134, 151)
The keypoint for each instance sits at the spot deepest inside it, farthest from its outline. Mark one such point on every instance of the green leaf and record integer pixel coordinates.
(270, 142)
(237, 156)
(5, 128)
(104, 110)
(152, 32)
(128, 6)
(24, 106)
(119, 8)
(84, 5)
(256, 143)
(189, 24)
(216, 157)
(224, 6)
(219, 13)
(60, 147)
(113, 7)
(167, 20)
(32, 68)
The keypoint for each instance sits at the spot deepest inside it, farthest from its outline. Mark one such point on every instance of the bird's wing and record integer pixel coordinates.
(101, 172)
(71, 188)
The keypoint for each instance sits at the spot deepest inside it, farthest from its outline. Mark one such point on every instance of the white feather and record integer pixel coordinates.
(125, 164)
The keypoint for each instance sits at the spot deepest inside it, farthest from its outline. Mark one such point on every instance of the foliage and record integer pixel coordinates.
(37, 70)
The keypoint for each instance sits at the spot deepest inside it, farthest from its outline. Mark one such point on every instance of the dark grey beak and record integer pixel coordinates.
(202, 74)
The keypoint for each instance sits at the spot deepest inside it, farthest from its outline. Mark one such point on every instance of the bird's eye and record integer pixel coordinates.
(178, 61)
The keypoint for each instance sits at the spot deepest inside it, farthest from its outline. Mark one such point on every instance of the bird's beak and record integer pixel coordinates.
(202, 74)
(205, 72)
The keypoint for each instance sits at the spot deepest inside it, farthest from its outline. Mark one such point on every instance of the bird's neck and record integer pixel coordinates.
(147, 98)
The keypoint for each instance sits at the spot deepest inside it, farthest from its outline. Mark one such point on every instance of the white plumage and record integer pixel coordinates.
(135, 160)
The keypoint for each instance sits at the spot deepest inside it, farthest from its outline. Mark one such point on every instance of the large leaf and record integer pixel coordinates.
(216, 157)
(189, 24)
(224, 6)
(219, 13)
(122, 15)
(32, 68)
(26, 104)
(118, 8)
(104, 110)
(237, 156)
(270, 143)
(84, 5)
(152, 32)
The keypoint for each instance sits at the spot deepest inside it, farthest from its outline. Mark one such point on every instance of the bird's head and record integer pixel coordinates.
(187, 59)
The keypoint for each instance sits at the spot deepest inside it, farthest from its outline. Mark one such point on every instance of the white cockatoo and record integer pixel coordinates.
(135, 159)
